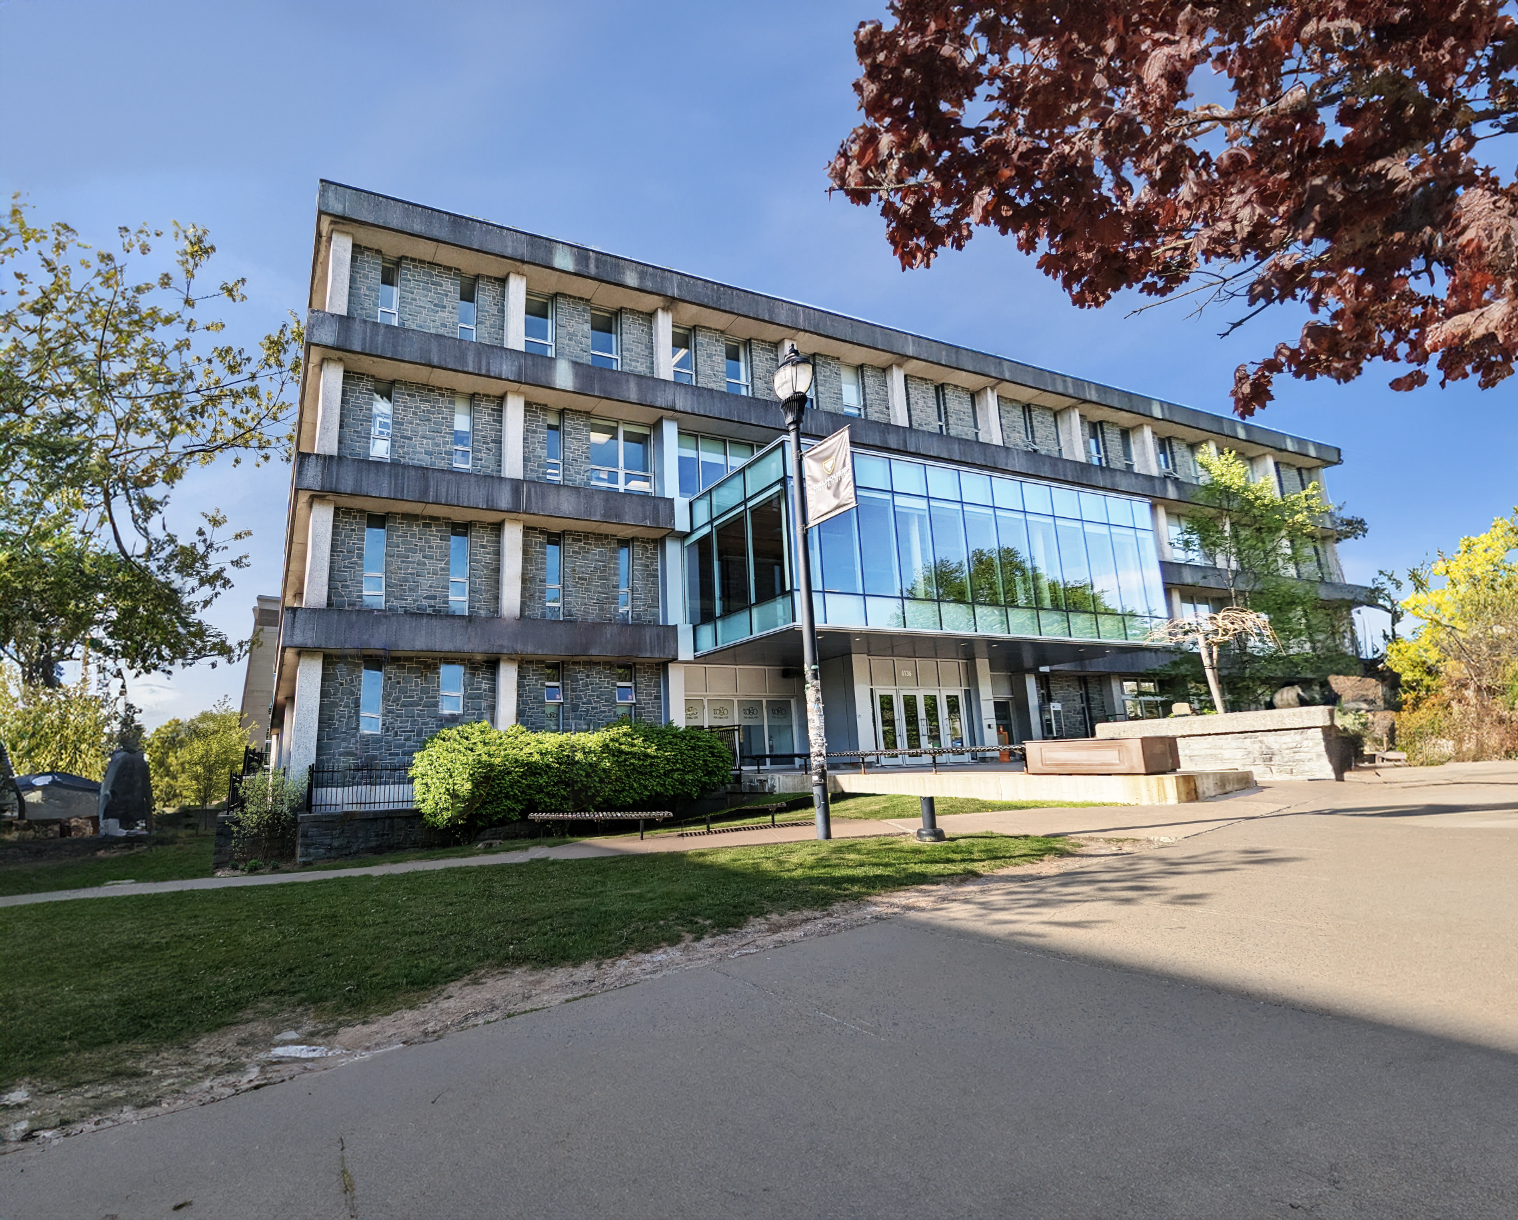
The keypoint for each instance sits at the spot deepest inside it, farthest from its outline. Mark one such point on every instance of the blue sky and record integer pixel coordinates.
(691, 135)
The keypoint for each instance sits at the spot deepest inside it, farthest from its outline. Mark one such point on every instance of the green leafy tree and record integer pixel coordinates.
(192, 760)
(112, 389)
(56, 728)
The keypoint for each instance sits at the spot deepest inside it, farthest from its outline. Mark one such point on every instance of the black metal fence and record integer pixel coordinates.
(368, 787)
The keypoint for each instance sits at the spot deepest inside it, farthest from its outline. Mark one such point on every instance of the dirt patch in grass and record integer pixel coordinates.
(254, 1053)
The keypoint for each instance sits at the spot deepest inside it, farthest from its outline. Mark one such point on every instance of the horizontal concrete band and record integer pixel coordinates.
(424, 487)
(1200, 576)
(359, 336)
(310, 629)
(1177, 788)
(1270, 720)
(468, 233)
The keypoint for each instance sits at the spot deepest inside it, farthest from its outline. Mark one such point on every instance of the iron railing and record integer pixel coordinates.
(370, 787)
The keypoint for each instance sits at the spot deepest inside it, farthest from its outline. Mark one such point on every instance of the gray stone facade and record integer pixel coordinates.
(877, 394)
(364, 282)
(574, 445)
(1014, 430)
(763, 360)
(416, 563)
(590, 695)
(428, 296)
(588, 569)
(637, 342)
(960, 412)
(409, 713)
(827, 384)
(711, 363)
(421, 425)
(571, 328)
(922, 406)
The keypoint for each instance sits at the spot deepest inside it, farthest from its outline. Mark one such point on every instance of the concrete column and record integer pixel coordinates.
(318, 555)
(1146, 455)
(864, 711)
(1263, 469)
(988, 417)
(513, 435)
(308, 698)
(666, 441)
(674, 685)
(896, 394)
(515, 334)
(664, 356)
(329, 407)
(1035, 718)
(511, 569)
(1174, 596)
(1115, 697)
(987, 721)
(1072, 434)
(672, 584)
(339, 257)
(505, 692)
(1161, 530)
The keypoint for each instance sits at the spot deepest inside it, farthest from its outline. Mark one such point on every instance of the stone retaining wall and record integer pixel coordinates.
(338, 836)
(1284, 743)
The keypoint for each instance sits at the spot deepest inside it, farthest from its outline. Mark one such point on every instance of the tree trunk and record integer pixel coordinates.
(1208, 650)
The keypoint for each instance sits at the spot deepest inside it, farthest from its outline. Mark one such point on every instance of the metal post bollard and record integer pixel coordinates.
(929, 832)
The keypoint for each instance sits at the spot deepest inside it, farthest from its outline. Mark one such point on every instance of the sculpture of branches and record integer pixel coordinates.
(1210, 632)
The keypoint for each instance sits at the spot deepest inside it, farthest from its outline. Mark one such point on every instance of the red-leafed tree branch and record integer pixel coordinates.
(1326, 153)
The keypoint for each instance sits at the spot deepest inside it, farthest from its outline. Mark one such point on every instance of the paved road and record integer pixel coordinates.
(1300, 1014)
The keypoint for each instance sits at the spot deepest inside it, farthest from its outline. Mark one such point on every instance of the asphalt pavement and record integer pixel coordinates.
(1306, 1013)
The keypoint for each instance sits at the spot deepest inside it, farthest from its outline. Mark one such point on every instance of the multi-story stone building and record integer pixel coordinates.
(540, 484)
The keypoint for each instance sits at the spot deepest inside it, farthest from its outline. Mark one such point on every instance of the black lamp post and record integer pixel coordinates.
(792, 381)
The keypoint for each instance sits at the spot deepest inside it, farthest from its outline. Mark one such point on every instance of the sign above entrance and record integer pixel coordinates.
(829, 478)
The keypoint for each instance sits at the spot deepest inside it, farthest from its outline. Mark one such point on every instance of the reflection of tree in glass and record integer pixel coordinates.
(949, 577)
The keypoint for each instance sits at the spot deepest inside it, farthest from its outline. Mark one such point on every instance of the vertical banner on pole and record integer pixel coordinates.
(829, 468)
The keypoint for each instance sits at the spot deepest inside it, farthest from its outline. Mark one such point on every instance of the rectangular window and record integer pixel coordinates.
(621, 458)
(690, 465)
(682, 351)
(736, 353)
(450, 690)
(1280, 480)
(553, 462)
(468, 286)
(853, 390)
(1199, 450)
(374, 562)
(463, 431)
(1030, 434)
(539, 328)
(1127, 440)
(624, 581)
(371, 696)
(1164, 453)
(941, 408)
(390, 295)
(605, 339)
(553, 577)
(553, 695)
(458, 569)
(1094, 452)
(625, 692)
(381, 419)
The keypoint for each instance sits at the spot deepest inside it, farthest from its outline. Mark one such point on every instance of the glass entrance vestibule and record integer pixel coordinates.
(919, 704)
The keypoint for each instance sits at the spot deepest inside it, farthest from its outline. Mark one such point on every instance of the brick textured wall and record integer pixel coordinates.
(487, 435)
(409, 713)
(571, 328)
(484, 568)
(490, 311)
(960, 412)
(345, 580)
(588, 567)
(711, 363)
(922, 410)
(364, 283)
(429, 297)
(354, 423)
(827, 384)
(877, 394)
(1112, 444)
(638, 342)
(416, 564)
(590, 695)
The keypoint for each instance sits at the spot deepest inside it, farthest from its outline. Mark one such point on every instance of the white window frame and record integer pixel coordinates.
(1126, 437)
(538, 345)
(473, 303)
(458, 586)
(686, 375)
(1096, 448)
(463, 453)
(374, 580)
(553, 590)
(612, 359)
(370, 723)
(1164, 454)
(1030, 428)
(391, 316)
(744, 384)
(445, 671)
(553, 695)
(621, 477)
(553, 467)
(624, 580)
(381, 421)
(856, 408)
(627, 688)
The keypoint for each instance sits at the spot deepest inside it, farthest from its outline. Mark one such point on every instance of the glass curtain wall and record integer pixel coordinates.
(947, 550)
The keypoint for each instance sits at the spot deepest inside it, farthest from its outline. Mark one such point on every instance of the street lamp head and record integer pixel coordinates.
(793, 379)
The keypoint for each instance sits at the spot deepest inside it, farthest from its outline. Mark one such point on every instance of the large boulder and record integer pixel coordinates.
(126, 793)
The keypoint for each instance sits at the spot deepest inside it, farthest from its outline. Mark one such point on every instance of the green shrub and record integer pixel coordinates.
(266, 824)
(478, 775)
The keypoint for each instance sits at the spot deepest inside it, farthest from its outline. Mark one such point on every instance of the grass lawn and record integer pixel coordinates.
(897, 808)
(183, 855)
(88, 986)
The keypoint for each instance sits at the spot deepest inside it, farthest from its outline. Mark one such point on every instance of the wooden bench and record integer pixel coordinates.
(612, 815)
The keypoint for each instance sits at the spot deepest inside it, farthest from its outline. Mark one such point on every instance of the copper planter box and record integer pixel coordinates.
(1104, 756)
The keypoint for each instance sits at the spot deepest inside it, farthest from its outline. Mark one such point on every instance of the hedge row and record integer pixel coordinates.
(476, 775)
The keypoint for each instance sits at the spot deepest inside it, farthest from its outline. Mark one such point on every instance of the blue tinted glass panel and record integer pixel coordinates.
(958, 617)
(1130, 576)
(1006, 493)
(1072, 559)
(974, 488)
(700, 510)
(914, 547)
(985, 568)
(733, 628)
(713, 460)
(840, 554)
(1012, 552)
(1093, 506)
(1037, 499)
(1154, 589)
(706, 636)
(950, 567)
(771, 614)
(883, 612)
(870, 471)
(991, 620)
(922, 616)
(845, 610)
(909, 477)
(1103, 568)
(1120, 512)
(690, 467)
(1066, 502)
(876, 524)
(1043, 555)
(765, 470)
(943, 484)
(726, 495)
